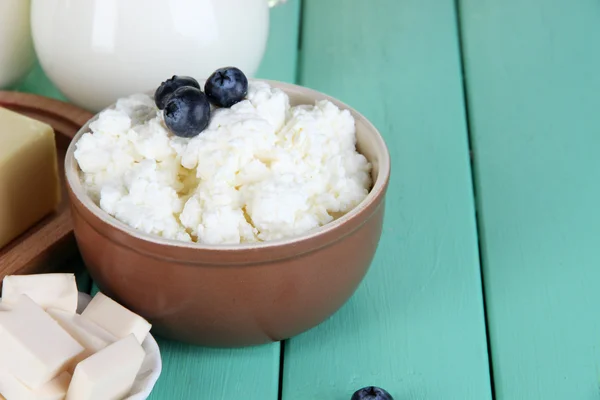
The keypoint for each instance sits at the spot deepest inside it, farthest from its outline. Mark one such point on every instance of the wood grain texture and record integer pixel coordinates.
(416, 325)
(47, 245)
(533, 85)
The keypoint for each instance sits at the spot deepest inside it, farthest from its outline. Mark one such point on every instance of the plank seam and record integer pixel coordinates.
(301, 21)
(473, 169)
(297, 79)
(281, 366)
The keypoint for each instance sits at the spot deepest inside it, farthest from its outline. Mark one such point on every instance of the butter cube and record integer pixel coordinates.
(108, 374)
(29, 182)
(46, 290)
(33, 347)
(13, 389)
(115, 318)
(92, 337)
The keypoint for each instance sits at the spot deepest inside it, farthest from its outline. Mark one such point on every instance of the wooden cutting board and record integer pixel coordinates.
(50, 244)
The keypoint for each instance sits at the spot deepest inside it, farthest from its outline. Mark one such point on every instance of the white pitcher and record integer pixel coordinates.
(96, 51)
(16, 48)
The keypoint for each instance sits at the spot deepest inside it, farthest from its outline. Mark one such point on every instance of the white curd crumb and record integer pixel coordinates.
(260, 171)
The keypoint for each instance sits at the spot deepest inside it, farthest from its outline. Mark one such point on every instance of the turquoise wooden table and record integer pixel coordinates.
(486, 283)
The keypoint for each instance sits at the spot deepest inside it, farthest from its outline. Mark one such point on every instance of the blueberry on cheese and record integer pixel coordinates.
(187, 112)
(168, 87)
(226, 86)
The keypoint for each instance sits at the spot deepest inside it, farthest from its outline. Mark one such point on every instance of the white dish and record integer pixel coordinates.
(151, 367)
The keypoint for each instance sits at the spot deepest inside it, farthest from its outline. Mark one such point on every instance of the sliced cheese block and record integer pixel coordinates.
(108, 374)
(115, 318)
(91, 336)
(47, 290)
(29, 182)
(13, 389)
(33, 347)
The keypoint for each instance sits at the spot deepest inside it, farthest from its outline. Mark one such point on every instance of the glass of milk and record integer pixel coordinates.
(96, 51)
(16, 48)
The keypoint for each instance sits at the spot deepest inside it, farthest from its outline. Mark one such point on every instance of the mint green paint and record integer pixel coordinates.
(280, 59)
(37, 82)
(416, 326)
(533, 70)
(83, 279)
(192, 373)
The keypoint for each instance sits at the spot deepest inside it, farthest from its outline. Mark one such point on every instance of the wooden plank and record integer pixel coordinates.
(281, 57)
(533, 88)
(416, 326)
(191, 372)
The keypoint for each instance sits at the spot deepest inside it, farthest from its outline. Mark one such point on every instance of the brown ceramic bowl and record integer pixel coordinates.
(235, 295)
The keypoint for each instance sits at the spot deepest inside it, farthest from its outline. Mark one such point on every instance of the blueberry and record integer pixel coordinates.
(226, 86)
(371, 393)
(166, 89)
(187, 112)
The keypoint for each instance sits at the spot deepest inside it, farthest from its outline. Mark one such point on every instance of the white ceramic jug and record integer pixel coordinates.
(96, 51)
(16, 49)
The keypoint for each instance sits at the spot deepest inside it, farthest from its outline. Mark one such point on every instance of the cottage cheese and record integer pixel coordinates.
(261, 171)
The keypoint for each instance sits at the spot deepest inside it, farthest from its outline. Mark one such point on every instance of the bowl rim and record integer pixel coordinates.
(375, 195)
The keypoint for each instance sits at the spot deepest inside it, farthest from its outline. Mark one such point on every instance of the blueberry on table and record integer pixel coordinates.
(226, 86)
(371, 393)
(168, 87)
(187, 112)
